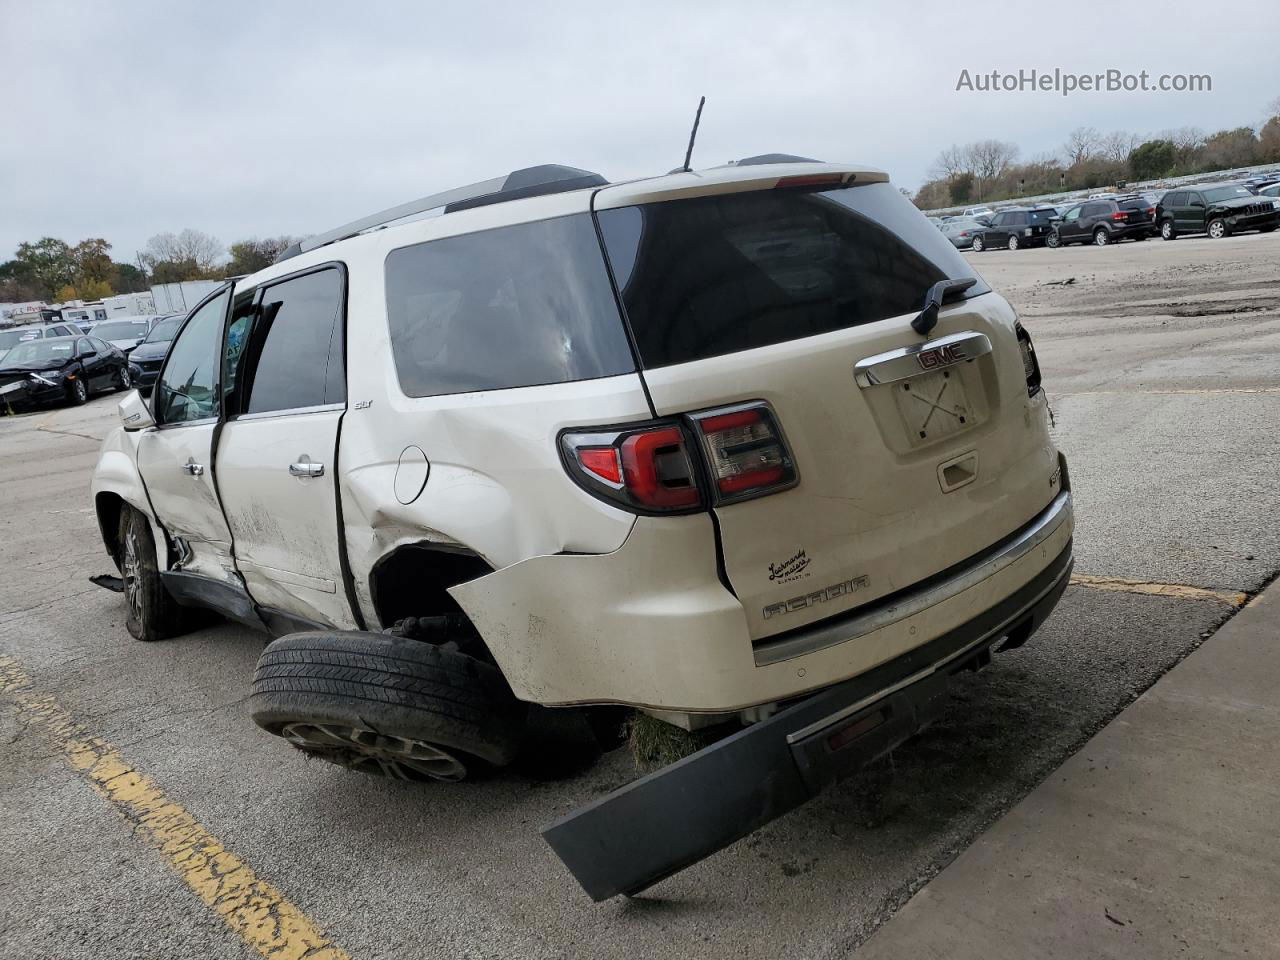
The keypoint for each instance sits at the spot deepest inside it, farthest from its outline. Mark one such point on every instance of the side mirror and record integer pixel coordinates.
(89, 353)
(134, 413)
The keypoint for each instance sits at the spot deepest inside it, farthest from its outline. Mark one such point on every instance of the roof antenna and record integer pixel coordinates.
(688, 154)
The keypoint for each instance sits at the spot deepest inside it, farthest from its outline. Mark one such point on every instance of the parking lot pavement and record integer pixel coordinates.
(1157, 839)
(1173, 463)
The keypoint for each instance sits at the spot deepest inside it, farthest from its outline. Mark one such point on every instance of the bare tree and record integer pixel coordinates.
(1185, 138)
(1273, 108)
(189, 246)
(1081, 144)
(1117, 146)
(988, 159)
(951, 163)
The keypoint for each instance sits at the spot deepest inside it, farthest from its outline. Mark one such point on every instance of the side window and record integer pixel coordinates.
(233, 352)
(186, 389)
(100, 345)
(1001, 219)
(1174, 200)
(295, 350)
(516, 306)
(1072, 215)
(83, 346)
(1195, 200)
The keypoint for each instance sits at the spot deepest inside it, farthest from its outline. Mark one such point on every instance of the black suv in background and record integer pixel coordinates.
(1215, 210)
(1015, 228)
(1105, 221)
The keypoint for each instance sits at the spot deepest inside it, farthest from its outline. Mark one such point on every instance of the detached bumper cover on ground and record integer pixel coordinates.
(671, 819)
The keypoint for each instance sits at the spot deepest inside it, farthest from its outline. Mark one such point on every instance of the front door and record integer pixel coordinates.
(277, 455)
(1069, 229)
(1191, 217)
(175, 457)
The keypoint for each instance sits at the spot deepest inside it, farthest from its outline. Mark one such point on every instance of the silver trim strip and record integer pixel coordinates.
(818, 725)
(1040, 529)
(293, 412)
(903, 362)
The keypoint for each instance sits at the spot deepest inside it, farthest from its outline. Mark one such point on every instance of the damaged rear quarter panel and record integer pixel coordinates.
(495, 484)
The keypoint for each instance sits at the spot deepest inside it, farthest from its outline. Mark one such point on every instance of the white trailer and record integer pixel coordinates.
(128, 305)
(181, 297)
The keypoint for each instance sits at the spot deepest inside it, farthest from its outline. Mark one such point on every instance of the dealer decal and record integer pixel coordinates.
(791, 568)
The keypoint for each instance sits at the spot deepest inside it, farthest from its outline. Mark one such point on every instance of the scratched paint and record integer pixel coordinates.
(253, 908)
(1176, 590)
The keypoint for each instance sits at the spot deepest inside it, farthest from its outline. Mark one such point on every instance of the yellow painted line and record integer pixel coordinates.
(1176, 590)
(250, 906)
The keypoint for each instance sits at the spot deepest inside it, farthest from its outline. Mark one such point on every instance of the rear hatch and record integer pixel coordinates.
(1136, 211)
(913, 455)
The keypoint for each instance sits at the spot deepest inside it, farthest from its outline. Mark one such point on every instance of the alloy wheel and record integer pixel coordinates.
(1014, 243)
(126, 381)
(131, 567)
(366, 751)
(1217, 230)
(1100, 238)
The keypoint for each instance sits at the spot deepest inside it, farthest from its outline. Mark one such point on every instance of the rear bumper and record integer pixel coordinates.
(650, 625)
(662, 823)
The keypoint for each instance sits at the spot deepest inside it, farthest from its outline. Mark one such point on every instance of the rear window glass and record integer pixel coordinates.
(515, 306)
(1043, 216)
(707, 276)
(1137, 203)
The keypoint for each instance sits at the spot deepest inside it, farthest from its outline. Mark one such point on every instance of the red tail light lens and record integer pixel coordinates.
(746, 454)
(1030, 365)
(1120, 215)
(645, 469)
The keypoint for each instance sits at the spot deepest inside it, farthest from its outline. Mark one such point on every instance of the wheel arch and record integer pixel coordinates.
(413, 580)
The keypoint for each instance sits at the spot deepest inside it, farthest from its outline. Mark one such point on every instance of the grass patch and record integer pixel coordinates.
(656, 743)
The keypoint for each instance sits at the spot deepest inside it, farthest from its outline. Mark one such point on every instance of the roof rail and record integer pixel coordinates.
(527, 182)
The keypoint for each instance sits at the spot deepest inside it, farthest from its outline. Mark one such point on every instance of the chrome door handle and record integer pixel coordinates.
(193, 468)
(305, 468)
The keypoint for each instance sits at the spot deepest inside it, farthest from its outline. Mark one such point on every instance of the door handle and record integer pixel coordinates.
(193, 468)
(306, 468)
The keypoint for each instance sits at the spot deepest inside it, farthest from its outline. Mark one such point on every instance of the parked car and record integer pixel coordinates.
(1016, 227)
(12, 336)
(1216, 210)
(436, 461)
(961, 231)
(61, 369)
(124, 333)
(978, 212)
(147, 357)
(1273, 190)
(1107, 221)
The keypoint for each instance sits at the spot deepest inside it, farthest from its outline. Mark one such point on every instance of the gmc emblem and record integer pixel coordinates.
(940, 357)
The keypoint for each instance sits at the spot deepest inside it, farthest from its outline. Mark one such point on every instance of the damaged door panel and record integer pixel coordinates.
(660, 824)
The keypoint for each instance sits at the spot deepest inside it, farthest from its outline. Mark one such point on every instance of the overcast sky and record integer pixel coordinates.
(125, 119)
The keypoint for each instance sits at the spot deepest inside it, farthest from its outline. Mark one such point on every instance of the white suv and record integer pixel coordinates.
(749, 446)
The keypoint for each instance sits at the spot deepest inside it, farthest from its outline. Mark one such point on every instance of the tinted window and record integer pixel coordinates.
(713, 275)
(1042, 216)
(1138, 203)
(101, 346)
(1174, 200)
(1073, 214)
(164, 330)
(185, 390)
(1092, 209)
(294, 355)
(83, 346)
(512, 307)
(1018, 219)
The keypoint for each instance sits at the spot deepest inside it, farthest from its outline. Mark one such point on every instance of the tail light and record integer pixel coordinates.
(646, 469)
(1120, 215)
(745, 452)
(1030, 365)
(654, 468)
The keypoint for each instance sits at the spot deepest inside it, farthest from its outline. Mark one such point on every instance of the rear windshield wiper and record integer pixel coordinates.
(933, 300)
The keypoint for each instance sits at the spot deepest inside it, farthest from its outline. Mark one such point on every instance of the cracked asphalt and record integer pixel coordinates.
(1162, 361)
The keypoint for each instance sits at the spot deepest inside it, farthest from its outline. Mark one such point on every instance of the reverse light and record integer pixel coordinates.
(745, 452)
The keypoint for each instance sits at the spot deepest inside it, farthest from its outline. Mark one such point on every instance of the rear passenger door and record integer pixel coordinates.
(1191, 216)
(284, 384)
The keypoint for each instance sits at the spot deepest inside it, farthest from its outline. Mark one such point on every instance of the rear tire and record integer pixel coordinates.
(1168, 231)
(152, 613)
(1100, 237)
(382, 704)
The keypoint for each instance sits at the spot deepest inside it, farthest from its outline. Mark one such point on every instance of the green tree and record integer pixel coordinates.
(47, 265)
(1152, 159)
(252, 255)
(93, 264)
(127, 278)
(1230, 148)
(962, 188)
